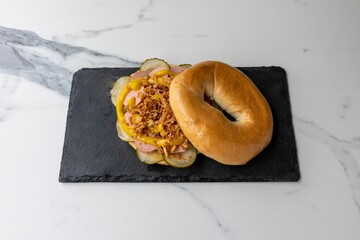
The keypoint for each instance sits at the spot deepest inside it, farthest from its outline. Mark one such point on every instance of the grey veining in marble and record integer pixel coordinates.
(90, 33)
(25, 54)
(340, 148)
(7, 88)
(224, 229)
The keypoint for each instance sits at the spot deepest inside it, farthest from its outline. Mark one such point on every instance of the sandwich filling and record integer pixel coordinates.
(144, 116)
(144, 112)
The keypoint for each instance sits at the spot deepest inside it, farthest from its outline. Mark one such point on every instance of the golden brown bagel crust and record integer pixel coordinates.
(231, 143)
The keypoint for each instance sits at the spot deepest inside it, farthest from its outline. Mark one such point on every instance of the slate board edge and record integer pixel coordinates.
(86, 179)
(297, 174)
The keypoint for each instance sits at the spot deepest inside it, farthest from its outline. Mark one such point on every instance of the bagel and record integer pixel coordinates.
(207, 128)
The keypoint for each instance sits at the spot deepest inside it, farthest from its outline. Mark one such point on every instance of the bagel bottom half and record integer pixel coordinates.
(207, 128)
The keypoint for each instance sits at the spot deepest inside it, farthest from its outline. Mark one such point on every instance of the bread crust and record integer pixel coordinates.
(230, 143)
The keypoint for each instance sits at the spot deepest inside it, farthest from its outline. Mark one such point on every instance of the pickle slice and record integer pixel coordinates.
(153, 63)
(121, 134)
(185, 65)
(182, 160)
(163, 163)
(118, 86)
(150, 157)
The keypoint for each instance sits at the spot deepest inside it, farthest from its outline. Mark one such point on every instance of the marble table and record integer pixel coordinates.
(42, 43)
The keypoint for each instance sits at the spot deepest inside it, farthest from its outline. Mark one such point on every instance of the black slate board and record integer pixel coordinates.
(93, 152)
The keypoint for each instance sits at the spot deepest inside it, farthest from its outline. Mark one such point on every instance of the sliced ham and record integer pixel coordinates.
(144, 147)
(132, 94)
(142, 89)
(139, 74)
(157, 70)
(177, 69)
(127, 118)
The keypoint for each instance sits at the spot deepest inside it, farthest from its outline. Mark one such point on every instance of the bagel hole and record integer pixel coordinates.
(214, 104)
(228, 116)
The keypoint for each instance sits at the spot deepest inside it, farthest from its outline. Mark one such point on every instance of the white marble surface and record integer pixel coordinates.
(43, 42)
